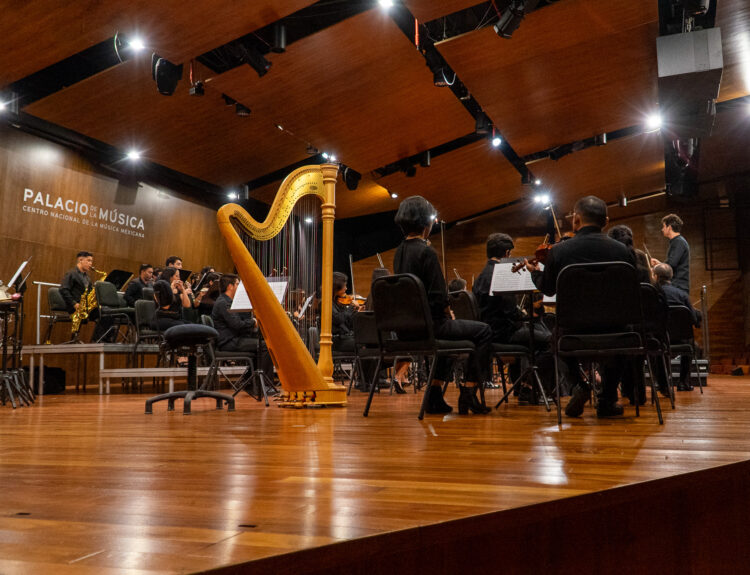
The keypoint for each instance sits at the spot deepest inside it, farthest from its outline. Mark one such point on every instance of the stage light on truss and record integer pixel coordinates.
(136, 44)
(241, 110)
(496, 141)
(542, 199)
(325, 155)
(253, 58)
(308, 220)
(511, 19)
(232, 195)
(385, 4)
(537, 182)
(351, 178)
(653, 122)
(2, 105)
(394, 195)
(165, 74)
(133, 155)
(482, 124)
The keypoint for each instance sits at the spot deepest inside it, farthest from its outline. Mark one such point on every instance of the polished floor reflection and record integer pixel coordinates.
(92, 485)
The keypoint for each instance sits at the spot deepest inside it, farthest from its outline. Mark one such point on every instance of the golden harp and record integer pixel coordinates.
(304, 383)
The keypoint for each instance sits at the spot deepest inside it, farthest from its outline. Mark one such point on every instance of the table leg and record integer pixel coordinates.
(31, 371)
(101, 367)
(171, 383)
(40, 388)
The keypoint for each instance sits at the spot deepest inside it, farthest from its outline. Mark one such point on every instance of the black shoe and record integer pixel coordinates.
(435, 402)
(578, 399)
(526, 396)
(468, 401)
(397, 387)
(684, 386)
(608, 409)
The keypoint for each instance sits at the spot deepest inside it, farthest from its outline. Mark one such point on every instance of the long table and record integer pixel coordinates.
(103, 349)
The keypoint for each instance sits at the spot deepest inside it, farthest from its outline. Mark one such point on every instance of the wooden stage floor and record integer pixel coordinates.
(92, 485)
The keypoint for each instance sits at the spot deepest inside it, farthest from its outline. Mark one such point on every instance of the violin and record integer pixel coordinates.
(540, 255)
(348, 299)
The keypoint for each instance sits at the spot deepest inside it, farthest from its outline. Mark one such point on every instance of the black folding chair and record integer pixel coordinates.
(401, 307)
(681, 336)
(58, 311)
(598, 316)
(655, 317)
(111, 306)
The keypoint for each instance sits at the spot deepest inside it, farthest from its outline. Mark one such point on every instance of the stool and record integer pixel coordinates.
(190, 336)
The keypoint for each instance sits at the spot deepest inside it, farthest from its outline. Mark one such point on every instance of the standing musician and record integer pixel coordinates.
(589, 245)
(415, 217)
(75, 284)
(135, 288)
(678, 253)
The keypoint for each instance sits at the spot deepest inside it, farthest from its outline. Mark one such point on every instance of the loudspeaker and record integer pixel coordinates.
(165, 74)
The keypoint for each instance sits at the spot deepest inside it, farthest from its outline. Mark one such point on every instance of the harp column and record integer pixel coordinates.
(328, 213)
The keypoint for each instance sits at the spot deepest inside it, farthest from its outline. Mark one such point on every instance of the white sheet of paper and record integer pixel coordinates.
(242, 302)
(18, 273)
(304, 306)
(504, 280)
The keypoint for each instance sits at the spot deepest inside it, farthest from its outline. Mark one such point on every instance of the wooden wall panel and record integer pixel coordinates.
(426, 10)
(172, 225)
(733, 17)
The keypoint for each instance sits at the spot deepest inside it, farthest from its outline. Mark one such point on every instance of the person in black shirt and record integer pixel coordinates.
(415, 217)
(171, 298)
(624, 235)
(588, 246)
(678, 253)
(135, 287)
(342, 324)
(238, 331)
(74, 284)
(663, 276)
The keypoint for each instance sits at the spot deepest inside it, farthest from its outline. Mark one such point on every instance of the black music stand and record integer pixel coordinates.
(527, 287)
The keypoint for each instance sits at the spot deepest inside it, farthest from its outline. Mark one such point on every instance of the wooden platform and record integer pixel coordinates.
(92, 485)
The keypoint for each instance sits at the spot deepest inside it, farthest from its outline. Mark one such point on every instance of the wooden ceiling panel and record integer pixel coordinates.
(426, 10)
(628, 167)
(199, 136)
(461, 183)
(733, 17)
(34, 35)
(594, 71)
(358, 89)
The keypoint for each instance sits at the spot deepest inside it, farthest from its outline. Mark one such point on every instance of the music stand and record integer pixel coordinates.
(504, 280)
(118, 278)
(184, 275)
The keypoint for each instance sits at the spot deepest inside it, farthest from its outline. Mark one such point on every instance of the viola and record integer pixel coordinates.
(540, 256)
(348, 299)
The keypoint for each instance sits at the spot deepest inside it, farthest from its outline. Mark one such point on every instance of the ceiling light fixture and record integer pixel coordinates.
(482, 124)
(542, 199)
(232, 195)
(165, 74)
(653, 122)
(385, 4)
(394, 195)
(496, 141)
(537, 182)
(511, 19)
(241, 110)
(133, 155)
(253, 58)
(136, 44)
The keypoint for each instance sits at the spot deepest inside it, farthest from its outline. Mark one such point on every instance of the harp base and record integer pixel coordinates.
(317, 398)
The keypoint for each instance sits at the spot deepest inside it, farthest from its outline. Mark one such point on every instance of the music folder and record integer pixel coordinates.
(504, 280)
(241, 301)
(18, 273)
(118, 278)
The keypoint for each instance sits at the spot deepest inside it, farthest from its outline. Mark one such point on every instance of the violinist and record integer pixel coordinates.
(344, 308)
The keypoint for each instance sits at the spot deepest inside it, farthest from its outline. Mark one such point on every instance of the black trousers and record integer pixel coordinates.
(477, 332)
(254, 348)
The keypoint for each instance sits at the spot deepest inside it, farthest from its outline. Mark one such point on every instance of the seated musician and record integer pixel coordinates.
(624, 235)
(171, 298)
(174, 262)
(206, 297)
(75, 283)
(415, 217)
(587, 246)
(135, 287)
(501, 311)
(663, 275)
(342, 313)
(238, 331)
(456, 284)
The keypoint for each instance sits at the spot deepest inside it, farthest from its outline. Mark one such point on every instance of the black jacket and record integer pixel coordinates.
(588, 246)
(676, 296)
(73, 286)
(134, 292)
(229, 324)
(416, 257)
(500, 312)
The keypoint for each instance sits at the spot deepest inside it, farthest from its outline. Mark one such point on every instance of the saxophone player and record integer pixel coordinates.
(75, 284)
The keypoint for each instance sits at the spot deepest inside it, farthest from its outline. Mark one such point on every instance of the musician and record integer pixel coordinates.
(342, 323)
(589, 245)
(415, 217)
(74, 284)
(663, 276)
(238, 331)
(456, 284)
(135, 288)
(678, 253)
(206, 298)
(624, 235)
(174, 262)
(171, 297)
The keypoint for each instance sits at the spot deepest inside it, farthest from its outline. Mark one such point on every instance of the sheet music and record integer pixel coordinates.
(504, 280)
(18, 273)
(304, 306)
(241, 301)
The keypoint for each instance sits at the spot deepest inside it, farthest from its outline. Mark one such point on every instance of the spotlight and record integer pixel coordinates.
(2, 106)
(537, 182)
(440, 71)
(256, 60)
(228, 101)
(496, 141)
(385, 4)
(541, 199)
(440, 80)
(136, 44)
(165, 74)
(308, 220)
(279, 127)
(623, 202)
(511, 19)
(600, 139)
(526, 178)
(232, 195)
(425, 161)
(394, 195)
(241, 111)
(332, 157)
(325, 155)
(482, 123)
(133, 155)
(351, 178)
(653, 122)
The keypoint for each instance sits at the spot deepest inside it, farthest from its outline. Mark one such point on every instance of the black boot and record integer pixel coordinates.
(435, 402)
(467, 401)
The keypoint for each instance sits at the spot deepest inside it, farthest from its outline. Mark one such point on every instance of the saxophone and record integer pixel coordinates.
(87, 304)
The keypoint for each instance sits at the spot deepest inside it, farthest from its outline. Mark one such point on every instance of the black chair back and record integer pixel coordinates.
(207, 320)
(601, 297)
(106, 295)
(145, 314)
(464, 305)
(55, 300)
(400, 305)
(655, 311)
(365, 329)
(148, 293)
(680, 324)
